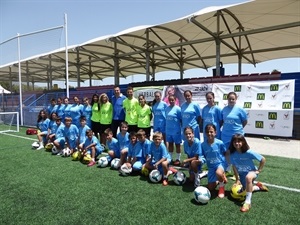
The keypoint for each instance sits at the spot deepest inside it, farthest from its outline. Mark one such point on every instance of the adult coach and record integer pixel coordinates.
(118, 110)
(130, 105)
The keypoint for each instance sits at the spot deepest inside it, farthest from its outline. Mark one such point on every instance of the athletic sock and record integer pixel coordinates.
(248, 197)
(178, 155)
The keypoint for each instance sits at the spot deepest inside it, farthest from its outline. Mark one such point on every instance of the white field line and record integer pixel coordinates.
(268, 185)
(35, 139)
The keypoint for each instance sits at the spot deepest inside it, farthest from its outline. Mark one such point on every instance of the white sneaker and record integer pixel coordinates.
(41, 147)
(60, 153)
(203, 174)
(197, 181)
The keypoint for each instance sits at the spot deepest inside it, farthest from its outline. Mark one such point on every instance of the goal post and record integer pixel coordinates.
(9, 122)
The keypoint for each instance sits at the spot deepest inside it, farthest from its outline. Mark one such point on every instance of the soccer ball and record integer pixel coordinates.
(54, 150)
(49, 147)
(125, 170)
(103, 162)
(66, 152)
(145, 171)
(114, 163)
(238, 193)
(35, 145)
(86, 159)
(179, 178)
(202, 195)
(155, 176)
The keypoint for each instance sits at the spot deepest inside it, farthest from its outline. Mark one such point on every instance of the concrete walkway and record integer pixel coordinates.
(275, 147)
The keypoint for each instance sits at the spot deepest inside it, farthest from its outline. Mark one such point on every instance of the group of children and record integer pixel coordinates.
(136, 151)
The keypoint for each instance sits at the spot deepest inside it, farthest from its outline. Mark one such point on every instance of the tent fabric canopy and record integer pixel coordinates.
(251, 32)
(3, 90)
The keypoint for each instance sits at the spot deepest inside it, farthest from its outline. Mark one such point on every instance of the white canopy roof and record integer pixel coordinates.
(3, 90)
(251, 32)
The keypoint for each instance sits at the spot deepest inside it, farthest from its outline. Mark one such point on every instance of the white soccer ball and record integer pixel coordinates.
(66, 152)
(155, 176)
(54, 150)
(35, 145)
(125, 170)
(103, 162)
(179, 178)
(202, 195)
(114, 163)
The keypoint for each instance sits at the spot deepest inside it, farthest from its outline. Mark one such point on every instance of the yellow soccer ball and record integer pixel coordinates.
(145, 172)
(238, 193)
(75, 156)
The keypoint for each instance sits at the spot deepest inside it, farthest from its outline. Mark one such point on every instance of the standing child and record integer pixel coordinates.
(92, 147)
(123, 140)
(245, 171)
(112, 145)
(160, 157)
(214, 152)
(71, 133)
(52, 127)
(173, 129)
(159, 114)
(42, 125)
(192, 147)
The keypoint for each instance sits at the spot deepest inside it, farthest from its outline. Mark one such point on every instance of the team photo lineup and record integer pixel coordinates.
(117, 132)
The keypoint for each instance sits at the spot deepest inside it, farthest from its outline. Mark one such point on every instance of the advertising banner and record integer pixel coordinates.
(269, 105)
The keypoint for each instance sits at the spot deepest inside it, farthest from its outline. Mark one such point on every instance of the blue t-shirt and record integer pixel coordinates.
(173, 120)
(50, 109)
(233, 118)
(190, 113)
(244, 161)
(212, 115)
(67, 112)
(43, 125)
(123, 140)
(113, 145)
(52, 126)
(159, 113)
(214, 153)
(145, 147)
(60, 111)
(76, 113)
(87, 112)
(71, 133)
(193, 150)
(159, 152)
(82, 133)
(118, 110)
(59, 133)
(135, 150)
(93, 140)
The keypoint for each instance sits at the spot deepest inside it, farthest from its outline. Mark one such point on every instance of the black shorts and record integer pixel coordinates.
(103, 127)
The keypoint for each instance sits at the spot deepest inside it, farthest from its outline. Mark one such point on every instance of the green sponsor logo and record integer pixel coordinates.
(224, 96)
(260, 96)
(272, 115)
(247, 105)
(274, 87)
(286, 105)
(237, 88)
(259, 124)
(216, 103)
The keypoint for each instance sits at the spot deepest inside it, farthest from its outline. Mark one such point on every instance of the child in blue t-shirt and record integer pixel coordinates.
(160, 157)
(194, 160)
(71, 134)
(135, 158)
(58, 135)
(214, 151)
(82, 132)
(123, 140)
(43, 126)
(245, 171)
(112, 145)
(92, 147)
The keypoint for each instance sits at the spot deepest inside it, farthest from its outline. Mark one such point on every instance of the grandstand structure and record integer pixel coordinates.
(250, 32)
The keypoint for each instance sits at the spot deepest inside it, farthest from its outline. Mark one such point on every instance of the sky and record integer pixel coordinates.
(89, 19)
